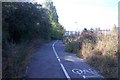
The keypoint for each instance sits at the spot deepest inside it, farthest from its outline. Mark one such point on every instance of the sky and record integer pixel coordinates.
(76, 15)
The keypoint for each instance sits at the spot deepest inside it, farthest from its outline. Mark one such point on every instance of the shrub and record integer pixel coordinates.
(72, 47)
(101, 49)
(108, 66)
(105, 52)
(86, 50)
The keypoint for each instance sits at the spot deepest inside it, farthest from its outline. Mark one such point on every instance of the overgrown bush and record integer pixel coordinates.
(102, 49)
(107, 66)
(72, 47)
(86, 50)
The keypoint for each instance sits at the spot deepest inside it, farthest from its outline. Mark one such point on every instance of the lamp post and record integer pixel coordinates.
(76, 25)
(77, 31)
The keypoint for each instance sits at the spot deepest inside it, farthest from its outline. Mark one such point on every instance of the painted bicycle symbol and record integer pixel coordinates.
(83, 71)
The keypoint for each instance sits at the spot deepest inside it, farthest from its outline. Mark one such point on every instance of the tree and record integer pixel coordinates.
(52, 10)
(20, 22)
(114, 29)
(57, 29)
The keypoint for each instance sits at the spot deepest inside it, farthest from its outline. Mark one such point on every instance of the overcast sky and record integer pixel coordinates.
(79, 14)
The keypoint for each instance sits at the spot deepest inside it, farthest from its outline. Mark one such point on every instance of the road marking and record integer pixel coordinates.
(63, 68)
(84, 76)
(82, 72)
(78, 71)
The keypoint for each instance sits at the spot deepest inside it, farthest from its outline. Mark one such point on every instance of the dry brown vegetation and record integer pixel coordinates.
(103, 55)
(17, 56)
(101, 52)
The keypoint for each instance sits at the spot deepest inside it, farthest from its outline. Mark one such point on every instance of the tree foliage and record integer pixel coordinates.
(57, 29)
(23, 21)
(114, 29)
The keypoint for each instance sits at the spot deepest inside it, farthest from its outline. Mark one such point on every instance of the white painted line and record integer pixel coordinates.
(68, 77)
(58, 59)
(84, 76)
(63, 68)
(93, 76)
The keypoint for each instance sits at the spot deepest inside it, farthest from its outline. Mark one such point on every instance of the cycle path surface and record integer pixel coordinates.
(51, 61)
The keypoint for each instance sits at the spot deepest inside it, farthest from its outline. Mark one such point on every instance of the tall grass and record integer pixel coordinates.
(101, 52)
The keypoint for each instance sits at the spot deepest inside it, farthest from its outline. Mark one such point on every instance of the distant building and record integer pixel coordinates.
(71, 33)
(104, 32)
(107, 31)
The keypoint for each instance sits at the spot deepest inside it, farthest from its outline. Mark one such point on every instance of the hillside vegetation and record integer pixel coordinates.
(26, 26)
(100, 51)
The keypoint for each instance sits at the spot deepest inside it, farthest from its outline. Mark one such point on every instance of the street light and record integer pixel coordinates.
(76, 25)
